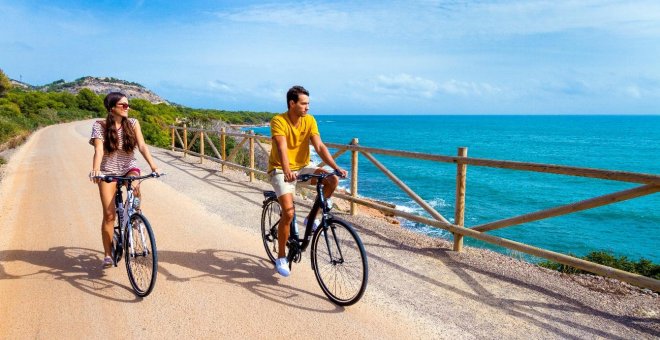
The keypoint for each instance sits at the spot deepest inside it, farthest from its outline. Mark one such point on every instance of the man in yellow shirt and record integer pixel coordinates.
(292, 132)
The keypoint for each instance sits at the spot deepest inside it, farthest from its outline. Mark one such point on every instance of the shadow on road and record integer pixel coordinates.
(543, 314)
(79, 267)
(250, 272)
(211, 177)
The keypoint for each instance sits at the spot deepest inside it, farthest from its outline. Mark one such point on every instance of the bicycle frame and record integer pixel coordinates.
(319, 203)
(299, 245)
(124, 210)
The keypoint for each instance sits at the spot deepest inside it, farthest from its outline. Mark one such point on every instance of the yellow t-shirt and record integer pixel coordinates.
(297, 141)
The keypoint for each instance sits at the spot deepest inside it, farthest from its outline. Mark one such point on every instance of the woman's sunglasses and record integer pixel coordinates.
(124, 106)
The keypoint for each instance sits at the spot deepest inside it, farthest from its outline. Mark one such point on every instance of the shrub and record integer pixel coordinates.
(642, 267)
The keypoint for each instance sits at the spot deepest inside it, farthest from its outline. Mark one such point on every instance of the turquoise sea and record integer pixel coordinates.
(626, 143)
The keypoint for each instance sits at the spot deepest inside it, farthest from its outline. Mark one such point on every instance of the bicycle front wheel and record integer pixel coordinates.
(116, 246)
(141, 255)
(270, 220)
(340, 263)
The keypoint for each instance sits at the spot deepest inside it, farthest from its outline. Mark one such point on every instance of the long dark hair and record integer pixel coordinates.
(111, 140)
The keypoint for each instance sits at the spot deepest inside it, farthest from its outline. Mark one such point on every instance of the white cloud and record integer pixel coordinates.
(287, 14)
(544, 16)
(641, 89)
(220, 86)
(407, 85)
(632, 91)
(404, 85)
(444, 18)
(456, 87)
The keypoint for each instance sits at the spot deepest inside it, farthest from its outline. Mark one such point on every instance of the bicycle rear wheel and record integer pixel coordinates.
(270, 220)
(340, 262)
(141, 255)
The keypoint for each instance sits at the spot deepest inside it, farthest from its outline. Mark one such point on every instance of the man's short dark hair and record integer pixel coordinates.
(293, 94)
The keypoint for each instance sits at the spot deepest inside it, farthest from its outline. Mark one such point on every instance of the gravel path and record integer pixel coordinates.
(415, 280)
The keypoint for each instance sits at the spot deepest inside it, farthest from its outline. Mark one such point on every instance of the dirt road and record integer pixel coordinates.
(215, 281)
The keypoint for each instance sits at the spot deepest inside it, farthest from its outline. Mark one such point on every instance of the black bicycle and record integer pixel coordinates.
(134, 237)
(338, 257)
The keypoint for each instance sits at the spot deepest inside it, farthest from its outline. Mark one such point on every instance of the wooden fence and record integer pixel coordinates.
(649, 184)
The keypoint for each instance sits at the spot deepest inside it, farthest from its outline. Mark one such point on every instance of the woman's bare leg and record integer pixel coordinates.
(107, 193)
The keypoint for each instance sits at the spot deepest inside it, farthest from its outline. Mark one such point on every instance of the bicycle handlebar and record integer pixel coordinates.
(307, 177)
(110, 178)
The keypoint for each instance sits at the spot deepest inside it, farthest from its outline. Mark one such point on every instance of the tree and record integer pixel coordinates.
(88, 100)
(5, 84)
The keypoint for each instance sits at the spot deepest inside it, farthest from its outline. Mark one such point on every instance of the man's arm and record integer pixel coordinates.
(280, 144)
(325, 155)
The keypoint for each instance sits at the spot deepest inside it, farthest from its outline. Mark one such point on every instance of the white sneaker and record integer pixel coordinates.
(282, 266)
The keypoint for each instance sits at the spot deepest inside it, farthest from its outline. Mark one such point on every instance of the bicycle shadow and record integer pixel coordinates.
(79, 267)
(534, 312)
(253, 273)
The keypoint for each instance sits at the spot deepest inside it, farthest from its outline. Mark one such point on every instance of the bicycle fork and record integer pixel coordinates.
(333, 260)
(128, 212)
(131, 241)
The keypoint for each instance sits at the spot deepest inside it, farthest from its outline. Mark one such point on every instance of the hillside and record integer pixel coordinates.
(102, 86)
(26, 108)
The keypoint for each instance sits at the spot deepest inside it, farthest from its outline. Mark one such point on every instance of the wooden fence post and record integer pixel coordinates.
(185, 140)
(354, 176)
(251, 132)
(173, 128)
(224, 148)
(459, 214)
(201, 147)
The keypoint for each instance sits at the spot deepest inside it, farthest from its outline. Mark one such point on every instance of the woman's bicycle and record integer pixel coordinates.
(134, 237)
(338, 257)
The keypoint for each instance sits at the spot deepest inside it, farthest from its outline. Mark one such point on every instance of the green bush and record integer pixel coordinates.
(642, 267)
(27, 110)
(5, 84)
(88, 100)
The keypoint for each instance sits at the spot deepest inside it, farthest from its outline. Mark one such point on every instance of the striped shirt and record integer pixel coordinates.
(119, 162)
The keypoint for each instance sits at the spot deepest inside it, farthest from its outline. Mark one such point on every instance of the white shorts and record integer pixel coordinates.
(281, 187)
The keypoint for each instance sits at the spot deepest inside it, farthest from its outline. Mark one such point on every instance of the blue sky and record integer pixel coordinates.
(362, 57)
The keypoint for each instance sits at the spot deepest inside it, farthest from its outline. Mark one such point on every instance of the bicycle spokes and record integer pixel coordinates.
(340, 263)
(141, 258)
(270, 220)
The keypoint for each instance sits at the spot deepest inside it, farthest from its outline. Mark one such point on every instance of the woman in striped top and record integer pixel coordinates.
(114, 141)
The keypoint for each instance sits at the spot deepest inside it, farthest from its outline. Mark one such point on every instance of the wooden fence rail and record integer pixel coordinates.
(651, 185)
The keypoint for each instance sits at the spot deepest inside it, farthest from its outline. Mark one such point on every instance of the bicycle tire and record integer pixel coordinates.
(340, 262)
(142, 264)
(270, 220)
